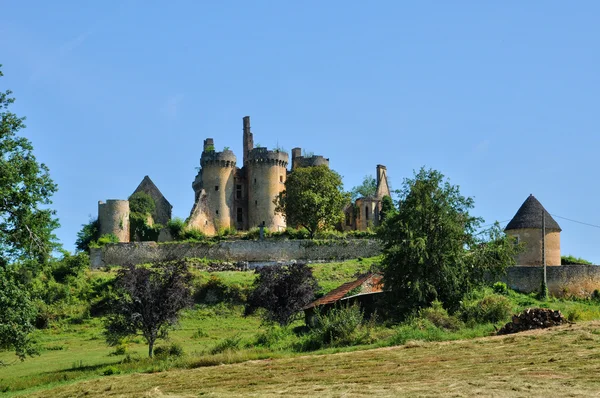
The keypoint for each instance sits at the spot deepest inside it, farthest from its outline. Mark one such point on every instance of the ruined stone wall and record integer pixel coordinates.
(242, 250)
(578, 280)
(266, 176)
(532, 253)
(367, 213)
(162, 212)
(113, 218)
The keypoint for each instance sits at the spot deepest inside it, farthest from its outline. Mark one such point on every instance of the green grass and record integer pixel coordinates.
(220, 334)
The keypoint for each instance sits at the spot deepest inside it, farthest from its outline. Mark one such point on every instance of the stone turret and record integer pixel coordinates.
(266, 174)
(113, 218)
(526, 226)
(214, 187)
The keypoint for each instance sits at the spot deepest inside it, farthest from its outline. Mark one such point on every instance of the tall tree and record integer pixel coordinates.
(367, 189)
(314, 198)
(148, 301)
(282, 291)
(431, 249)
(26, 224)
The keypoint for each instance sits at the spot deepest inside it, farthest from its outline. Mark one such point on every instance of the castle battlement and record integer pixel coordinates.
(222, 159)
(263, 155)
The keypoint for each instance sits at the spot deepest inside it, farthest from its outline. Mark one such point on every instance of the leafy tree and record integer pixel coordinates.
(314, 198)
(282, 291)
(387, 208)
(17, 314)
(89, 233)
(431, 250)
(25, 189)
(367, 189)
(148, 301)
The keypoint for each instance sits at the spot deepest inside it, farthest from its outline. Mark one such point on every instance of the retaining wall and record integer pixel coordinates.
(578, 280)
(241, 250)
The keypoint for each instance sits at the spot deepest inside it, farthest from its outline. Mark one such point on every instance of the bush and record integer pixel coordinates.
(215, 290)
(174, 350)
(337, 327)
(574, 315)
(110, 370)
(492, 308)
(273, 336)
(141, 203)
(104, 240)
(227, 344)
(193, 235)
(438, 316)
(500, 288)
(176, 228)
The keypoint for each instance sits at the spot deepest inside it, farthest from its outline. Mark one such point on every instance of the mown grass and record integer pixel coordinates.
(555, 362)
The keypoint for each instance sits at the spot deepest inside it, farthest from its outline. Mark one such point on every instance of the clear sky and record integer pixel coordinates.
(502, 97)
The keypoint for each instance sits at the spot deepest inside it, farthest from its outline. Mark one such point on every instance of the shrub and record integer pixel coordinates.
(215, 290)
(227, 344)
(337, 327)
(500, 288)
(417, 329)
(572, 260)
(574, 315)
(110, 370)
(120, 349)
(176, 228)
(438, 316)
(273, 336)
(174, 350)
(492, 308)
(193, 235)
(141, 203)
(104, 240)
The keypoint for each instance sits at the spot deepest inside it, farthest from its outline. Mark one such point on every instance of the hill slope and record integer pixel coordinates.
(561, 361)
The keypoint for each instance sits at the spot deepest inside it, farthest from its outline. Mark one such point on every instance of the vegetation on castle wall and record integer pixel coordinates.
(89, 233)
(572, 260)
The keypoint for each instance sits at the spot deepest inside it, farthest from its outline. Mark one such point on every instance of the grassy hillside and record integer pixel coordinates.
(555, 362)
(73, 347)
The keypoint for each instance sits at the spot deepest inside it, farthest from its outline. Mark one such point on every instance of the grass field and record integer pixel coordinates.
(563, 361)
(74, 350)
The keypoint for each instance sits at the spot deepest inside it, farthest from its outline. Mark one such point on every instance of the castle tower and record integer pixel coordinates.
(248, 139)
(526, 226)
(266, 173)
(113, 218)
(214, 193)
(307, 161)
(383, 188)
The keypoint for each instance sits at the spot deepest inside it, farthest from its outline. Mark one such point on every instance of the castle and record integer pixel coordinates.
(227, 196)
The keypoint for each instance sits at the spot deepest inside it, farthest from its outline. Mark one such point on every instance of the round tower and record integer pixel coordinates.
(527, 227)
(266, 175)
(113, 218)
(218, 170)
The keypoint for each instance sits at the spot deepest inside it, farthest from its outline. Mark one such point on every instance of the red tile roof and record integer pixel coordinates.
(339, 292)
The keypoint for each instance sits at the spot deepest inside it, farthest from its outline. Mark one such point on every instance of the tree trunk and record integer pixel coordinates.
(150, 347)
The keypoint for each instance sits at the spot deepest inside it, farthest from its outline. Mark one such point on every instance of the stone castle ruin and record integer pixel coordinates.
(228, 196)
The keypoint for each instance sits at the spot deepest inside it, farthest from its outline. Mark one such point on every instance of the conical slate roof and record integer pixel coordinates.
(529, 215)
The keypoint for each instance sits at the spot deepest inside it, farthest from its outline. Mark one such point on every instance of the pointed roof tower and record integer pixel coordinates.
(529, 215)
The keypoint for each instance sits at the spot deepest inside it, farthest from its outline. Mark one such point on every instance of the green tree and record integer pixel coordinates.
(142, 209)
(387, 208)
(367, 189)
(314, 198)
(431, 248)
(89, 233)
(17, 314)
(26, 227)
(26, 224)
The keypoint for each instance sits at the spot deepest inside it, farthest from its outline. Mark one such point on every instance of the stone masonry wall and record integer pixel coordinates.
(578, 280)
(241, 250)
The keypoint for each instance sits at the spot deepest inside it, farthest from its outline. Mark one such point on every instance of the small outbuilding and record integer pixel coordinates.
(527, 226)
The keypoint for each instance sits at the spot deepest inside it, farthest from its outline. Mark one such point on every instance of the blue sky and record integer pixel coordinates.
(501, 97)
